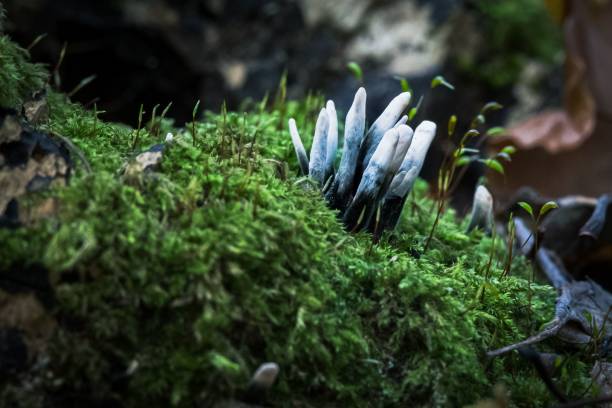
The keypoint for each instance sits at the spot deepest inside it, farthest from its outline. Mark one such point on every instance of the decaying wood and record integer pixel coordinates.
(583, 307)
(543, 369)
(595, 225)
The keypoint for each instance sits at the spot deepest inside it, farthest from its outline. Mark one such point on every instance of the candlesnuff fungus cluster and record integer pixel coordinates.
(377, 169)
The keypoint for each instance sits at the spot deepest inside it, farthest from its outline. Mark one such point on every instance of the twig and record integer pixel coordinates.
(593, 227)
(552, 267)
(562, 316)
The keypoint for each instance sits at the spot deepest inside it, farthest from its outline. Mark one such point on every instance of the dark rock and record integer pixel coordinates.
(30, 161)
(36, 110)
(143, 163)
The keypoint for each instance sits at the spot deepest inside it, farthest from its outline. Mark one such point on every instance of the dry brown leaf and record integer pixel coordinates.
(588, 40)
(552, 130)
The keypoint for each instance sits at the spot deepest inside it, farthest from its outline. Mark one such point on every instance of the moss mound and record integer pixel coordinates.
(19, 78)
(173, 288)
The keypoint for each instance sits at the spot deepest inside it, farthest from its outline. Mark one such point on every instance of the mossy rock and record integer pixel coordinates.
(173, 289)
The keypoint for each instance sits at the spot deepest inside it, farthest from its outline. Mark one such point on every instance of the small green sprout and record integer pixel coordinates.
(165, 111)
(412, 113)
(141, 113)
(82, 84)
(452, 124)
(496, 131)
(479, 120)
(57, 81)
(356, 70)
(403, 83)
(547, 207)
(510, 246)
(494, 165)
(490, 107)
(440, 80)
(527, 207)
(455, 164)
(551, 205)
(36, 41)
(472, 133)
(193, 119)
(506, 153)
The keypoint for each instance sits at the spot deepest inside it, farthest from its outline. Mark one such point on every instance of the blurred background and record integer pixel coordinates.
(546, 61)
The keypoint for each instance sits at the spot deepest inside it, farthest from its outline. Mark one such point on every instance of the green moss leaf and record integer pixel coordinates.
(494, 165)
(551, 205)
(440, 80)
(526, 206)
(496, 131)
(356, 70)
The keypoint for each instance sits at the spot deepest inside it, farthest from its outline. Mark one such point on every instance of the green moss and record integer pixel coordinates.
(192, 277)
(217, 265)
(19, 78)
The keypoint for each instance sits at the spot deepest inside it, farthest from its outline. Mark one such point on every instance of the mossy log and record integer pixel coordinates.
(174, 289)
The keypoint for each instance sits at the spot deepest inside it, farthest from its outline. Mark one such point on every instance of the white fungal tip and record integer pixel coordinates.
(482, 209)
(405, 139)
(402, 121)
(482, 196)
(404, 130)
(384, 152)
(361, 93)
(292, 127)
(169, 137)
(322, 121)
(265, 375)
(427, 126)
(404, 97)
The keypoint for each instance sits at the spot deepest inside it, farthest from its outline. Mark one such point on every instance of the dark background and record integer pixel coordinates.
(154, 52)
